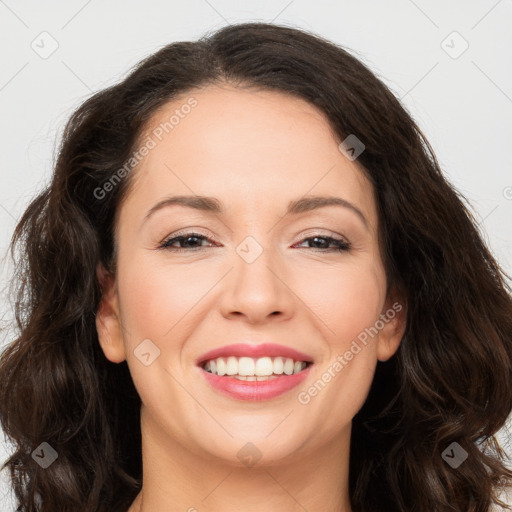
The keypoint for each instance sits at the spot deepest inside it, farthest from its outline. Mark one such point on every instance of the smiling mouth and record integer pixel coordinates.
(254, 369)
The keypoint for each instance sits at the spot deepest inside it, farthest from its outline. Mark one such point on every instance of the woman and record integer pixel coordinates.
(249, 286)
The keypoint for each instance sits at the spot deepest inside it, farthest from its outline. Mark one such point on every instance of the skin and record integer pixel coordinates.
(255, 151)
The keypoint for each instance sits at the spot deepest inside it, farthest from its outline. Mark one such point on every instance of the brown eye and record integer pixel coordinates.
(324, 241)
(187, 239)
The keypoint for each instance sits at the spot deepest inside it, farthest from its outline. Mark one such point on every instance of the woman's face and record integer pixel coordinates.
(259, 275)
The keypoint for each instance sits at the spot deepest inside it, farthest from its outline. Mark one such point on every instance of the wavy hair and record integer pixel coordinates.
(449, 382)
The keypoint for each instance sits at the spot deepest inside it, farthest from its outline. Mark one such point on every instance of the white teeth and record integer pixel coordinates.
(247, 368)
(221, 366)
(289, 366)
(278, 365)
(253, 377)
(232, 366)
(264, 367)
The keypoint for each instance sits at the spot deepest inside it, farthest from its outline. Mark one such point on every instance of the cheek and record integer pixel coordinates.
(157, 295)
(346, 298)
(349, 302)
(349, 306)
(157, 302)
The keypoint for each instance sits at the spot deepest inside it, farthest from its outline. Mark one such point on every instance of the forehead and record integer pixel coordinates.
(253, 149)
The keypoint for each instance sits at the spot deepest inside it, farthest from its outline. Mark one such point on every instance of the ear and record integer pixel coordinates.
(394, 315)
(108, 324)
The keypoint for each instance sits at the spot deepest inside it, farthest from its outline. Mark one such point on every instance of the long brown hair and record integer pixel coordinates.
(449, 382)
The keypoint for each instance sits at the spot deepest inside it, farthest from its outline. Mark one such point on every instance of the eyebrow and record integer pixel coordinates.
(214, 206)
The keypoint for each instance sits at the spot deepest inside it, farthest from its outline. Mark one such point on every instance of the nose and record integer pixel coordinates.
(258, 290)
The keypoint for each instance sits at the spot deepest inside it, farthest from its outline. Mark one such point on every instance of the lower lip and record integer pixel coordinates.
(257, 389)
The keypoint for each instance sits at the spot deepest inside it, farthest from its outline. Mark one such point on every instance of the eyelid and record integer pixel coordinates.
(189, 231)
(322, 232)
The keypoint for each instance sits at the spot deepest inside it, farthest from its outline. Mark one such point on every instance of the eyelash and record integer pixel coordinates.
(343, 246)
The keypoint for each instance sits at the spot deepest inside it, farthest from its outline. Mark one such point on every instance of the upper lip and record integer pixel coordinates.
(250, 350)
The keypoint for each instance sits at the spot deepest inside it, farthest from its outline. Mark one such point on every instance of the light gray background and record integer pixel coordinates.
(463, 103)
